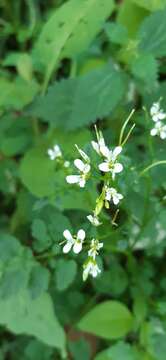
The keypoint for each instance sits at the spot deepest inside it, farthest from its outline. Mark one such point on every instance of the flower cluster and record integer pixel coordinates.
(56, 154)
(108, 167)
(158, 116)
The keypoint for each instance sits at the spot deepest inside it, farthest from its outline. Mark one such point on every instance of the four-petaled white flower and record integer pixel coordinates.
(55, 152)
(159, 129)
(73, 241)
(111, 194)
(95, 246)
(84, 174)
(156, 112)
(90, 268)
(110, 164)
(94, 220)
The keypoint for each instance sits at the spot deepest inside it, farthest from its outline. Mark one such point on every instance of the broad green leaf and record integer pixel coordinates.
(152, 34)
(119, 351)
(17, 93)
(145, 68)
(39, 281)
(116, 33)
(151, 5)
(109, 320)
(40, 233)
(74, 103)
(37, 172)
(34, 317)
(80, 349)
(65, 273)
(70, 30)
(130, 15)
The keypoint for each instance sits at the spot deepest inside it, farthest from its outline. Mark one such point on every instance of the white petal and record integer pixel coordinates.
(163, 134)
(117, 151)
(115, 199)
(155, 117)
(67, 247)
(67, 235)
(105, 151)
(104, 167)
(118, 167)
(161, 116)
(153, 132)
(82, 182)
(86, 168)
(73, 179)
(95, 146)
(79, 164)
(81, 235)
(90, 218)
(77, 247)
(51, 154)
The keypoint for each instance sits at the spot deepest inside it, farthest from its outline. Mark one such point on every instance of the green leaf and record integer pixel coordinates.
(117, 33)
(130, 15)
(65, 273)
(145, 68)
(119, 351)
(35, 317)
(151, 5)
(37, 172)
(39, 281)
(152, 34)
(65, 105)
(109, 320)
(70, 30)
(16, 93)
(40, 233)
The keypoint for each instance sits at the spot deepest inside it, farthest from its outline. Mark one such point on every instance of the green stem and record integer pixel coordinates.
(161, 162)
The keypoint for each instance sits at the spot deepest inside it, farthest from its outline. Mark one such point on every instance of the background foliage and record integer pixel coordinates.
(64, 66)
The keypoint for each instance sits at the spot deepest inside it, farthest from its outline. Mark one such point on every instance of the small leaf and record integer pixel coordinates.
(109, 320)
(65, 273)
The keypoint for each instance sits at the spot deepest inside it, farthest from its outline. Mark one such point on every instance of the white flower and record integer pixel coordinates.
(83, 155)
(95, 246)
(54, 153)
(90, 268)
(110, 164)
(84, 173)
(159, 129)
(66, 164)
(157, 113)
(73, 241)
(94, 220)
(112, 194)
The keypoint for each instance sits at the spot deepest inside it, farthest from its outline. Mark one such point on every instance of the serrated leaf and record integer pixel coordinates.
(145, 68)
(65, 273)
(70, 30)
(109, 320)
(152, 34)
(35, 317)
(65, 104)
